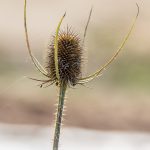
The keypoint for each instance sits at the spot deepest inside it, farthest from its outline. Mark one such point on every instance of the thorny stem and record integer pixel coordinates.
(59, 115)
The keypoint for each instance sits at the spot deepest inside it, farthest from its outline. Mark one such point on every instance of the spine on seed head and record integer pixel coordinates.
(69, 58)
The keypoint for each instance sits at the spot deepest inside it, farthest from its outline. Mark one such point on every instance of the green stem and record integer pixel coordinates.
(59, 114)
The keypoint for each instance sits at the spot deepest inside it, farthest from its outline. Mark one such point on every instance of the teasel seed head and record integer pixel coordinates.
(69, 58)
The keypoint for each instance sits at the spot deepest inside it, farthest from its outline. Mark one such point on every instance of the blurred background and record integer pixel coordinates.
(117, 101)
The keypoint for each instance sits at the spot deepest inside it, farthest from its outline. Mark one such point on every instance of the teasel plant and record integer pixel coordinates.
(64, 61)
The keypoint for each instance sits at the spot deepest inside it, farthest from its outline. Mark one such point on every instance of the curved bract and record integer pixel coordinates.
(99, 71)
(56, 49)
(87, 24)
(38, 66)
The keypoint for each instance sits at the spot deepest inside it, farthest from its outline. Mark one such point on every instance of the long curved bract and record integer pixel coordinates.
(99, 71)
(38, 66)
(56, 48)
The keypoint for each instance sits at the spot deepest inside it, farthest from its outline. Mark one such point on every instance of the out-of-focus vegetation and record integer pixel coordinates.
(120, 99)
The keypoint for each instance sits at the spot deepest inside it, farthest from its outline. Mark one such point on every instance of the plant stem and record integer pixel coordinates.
(59, 114)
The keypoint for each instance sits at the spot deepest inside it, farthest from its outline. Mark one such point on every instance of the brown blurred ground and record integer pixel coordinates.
(119, 100)
(114, 109)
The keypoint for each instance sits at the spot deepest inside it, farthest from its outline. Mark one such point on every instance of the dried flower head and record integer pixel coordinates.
(69, 58)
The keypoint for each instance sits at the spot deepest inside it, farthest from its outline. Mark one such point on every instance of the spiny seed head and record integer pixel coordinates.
(69, 58)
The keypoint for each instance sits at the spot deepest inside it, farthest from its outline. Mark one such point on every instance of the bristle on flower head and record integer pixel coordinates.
(69, 58)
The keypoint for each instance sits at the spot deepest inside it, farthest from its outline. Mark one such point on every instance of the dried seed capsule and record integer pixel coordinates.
(69, 58)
